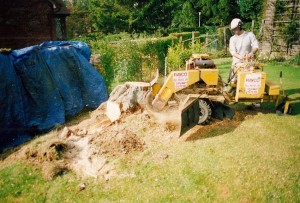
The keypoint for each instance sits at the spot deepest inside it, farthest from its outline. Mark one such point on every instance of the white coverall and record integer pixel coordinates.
(241, 44)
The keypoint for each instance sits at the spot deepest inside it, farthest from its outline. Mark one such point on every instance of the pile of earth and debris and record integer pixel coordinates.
(90, 146)
(118, 127)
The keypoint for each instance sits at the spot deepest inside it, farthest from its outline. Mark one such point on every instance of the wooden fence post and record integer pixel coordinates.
(193, 40)
(206, 41)
(225, 45)
(262, 27)
(166, 66)
(252, 26)
(141, 64)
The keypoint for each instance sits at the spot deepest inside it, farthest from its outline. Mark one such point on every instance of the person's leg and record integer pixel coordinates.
(232, 79)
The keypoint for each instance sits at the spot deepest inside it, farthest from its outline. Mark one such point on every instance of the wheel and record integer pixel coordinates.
(205, 112)
(280, 109)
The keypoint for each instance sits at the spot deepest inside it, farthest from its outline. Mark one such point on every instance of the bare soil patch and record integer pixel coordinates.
(91, 147)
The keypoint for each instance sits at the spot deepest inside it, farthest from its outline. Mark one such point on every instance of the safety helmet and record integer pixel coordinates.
(236, 22)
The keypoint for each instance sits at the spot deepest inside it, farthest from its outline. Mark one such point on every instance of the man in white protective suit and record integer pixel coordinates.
(242, 45)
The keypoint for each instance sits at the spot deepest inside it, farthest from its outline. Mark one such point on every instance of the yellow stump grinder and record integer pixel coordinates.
(199, 93)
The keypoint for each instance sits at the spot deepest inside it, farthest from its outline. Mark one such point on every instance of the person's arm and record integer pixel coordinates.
(252, 53)
(254, 45)
(239, 56)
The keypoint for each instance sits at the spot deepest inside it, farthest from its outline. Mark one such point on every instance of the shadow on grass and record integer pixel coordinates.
(294, 98)
(243, 111)
(219, 127)
(12, 139)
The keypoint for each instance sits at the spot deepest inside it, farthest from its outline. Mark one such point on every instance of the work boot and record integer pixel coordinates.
(232, 91)
(256, 104)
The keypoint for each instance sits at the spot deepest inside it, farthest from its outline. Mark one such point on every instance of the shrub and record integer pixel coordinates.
(105, 64)
(295, 60)
(291, 33)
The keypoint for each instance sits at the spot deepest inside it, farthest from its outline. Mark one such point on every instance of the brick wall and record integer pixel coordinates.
(273, 41)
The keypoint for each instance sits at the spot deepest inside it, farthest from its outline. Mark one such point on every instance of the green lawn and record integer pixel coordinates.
(257, 161)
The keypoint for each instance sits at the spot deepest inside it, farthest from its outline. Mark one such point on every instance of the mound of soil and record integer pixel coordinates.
(91, 146)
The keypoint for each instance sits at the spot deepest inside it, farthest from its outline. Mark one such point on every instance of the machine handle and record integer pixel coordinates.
(280, 74)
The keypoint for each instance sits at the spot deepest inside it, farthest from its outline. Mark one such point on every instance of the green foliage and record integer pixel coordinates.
(129, 60)
(278, 58)
(182, 36)
(250, 9)
(291, 33)
(79, 13)
(217, 12)
(295, 60)
(122, 59)
(118, 37)
(201, 30)
(180, 53)
(113, 17)
(186, 17)
(280, 7)
(106, 63)
(176, 57)
(224, 8)
(157, 50)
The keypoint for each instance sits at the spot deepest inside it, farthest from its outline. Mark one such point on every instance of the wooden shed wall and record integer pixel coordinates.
(25, 23)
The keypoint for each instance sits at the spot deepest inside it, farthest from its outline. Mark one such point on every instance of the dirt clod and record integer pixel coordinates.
(54, 169)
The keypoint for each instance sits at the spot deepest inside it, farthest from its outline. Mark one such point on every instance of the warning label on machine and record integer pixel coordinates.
(180, 79)
(252, 83)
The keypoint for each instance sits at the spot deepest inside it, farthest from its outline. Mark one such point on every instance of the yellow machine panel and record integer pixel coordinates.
(176, 81)
(272, 88)
(250, 85)
(210, 76)
(179, 80)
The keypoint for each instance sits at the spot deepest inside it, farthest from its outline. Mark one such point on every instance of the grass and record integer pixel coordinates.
(258, 161)
(246, 165)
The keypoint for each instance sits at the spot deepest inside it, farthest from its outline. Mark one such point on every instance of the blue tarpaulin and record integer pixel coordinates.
(43, 84)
